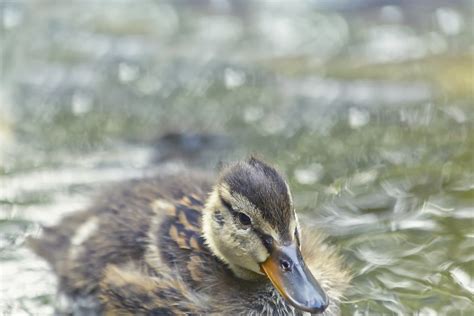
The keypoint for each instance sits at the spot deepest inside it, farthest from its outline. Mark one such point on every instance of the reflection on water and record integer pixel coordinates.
(365, 105)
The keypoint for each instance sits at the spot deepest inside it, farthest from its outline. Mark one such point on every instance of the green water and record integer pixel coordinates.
(366, 106)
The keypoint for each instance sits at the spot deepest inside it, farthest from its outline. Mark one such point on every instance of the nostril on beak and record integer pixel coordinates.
(285, 265)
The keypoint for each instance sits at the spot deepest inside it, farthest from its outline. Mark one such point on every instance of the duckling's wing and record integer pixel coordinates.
(129, 289)
(120, 227)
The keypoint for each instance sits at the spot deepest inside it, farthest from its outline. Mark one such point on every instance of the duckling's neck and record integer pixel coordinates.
(209, 230)
(245, 274)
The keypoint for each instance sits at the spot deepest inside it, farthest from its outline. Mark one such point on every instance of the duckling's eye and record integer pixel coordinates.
(244, 219)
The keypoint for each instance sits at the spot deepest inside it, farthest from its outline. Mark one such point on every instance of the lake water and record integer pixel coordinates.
(367, 107)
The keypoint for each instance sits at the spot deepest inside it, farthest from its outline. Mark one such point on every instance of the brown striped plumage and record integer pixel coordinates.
(142, 249)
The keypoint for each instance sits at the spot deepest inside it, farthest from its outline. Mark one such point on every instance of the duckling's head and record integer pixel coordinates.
(250, 224)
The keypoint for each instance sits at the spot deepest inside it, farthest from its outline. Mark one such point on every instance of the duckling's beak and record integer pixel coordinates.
(291, 277)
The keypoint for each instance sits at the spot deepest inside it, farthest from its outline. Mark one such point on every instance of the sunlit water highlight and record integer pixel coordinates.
(366, 107)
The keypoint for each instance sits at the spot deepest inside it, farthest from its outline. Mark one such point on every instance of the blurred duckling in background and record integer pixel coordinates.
(181, 245)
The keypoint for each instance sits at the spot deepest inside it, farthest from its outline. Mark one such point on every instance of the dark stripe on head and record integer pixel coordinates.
(263, 186)
(228, 206)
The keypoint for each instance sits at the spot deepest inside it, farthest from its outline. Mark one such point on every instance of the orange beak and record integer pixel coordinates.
(291, 277)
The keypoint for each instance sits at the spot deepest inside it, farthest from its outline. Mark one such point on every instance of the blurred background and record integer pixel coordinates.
(365, 105)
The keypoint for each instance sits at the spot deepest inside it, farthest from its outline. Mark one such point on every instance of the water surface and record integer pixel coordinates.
(366, 106)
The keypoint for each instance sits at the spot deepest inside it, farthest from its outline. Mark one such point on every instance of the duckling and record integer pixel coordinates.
(188, 244)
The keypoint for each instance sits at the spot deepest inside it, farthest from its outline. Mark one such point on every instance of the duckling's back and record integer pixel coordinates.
(116, 234)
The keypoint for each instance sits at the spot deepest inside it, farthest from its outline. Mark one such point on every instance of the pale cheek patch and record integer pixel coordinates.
(261, 254)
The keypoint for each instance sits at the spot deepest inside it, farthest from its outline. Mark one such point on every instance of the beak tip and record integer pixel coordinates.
(319, 308)
(296, 284)
(314, 306)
